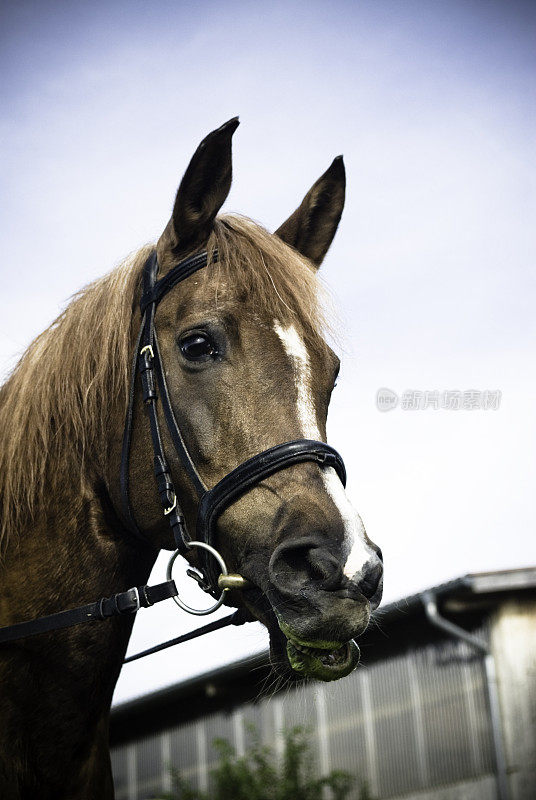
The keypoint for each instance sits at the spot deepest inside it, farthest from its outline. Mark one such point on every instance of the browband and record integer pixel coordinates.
(212, 502)
(155, 292)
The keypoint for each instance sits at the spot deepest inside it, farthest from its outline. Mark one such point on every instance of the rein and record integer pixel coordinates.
(147, 364)
(128, 602)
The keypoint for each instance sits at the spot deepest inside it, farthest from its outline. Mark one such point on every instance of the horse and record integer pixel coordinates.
(247, 370)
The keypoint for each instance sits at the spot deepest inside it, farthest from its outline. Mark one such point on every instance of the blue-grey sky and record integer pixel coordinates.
(432, 271)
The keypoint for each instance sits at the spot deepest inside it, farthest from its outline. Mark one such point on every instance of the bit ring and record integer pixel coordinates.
(199, 612)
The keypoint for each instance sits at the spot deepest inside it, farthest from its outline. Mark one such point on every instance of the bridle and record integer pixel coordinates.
(212, 502)
(147, 365)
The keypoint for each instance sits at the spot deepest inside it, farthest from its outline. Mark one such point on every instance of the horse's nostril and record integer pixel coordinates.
(368, 585)
(325, 568)
(299, 562)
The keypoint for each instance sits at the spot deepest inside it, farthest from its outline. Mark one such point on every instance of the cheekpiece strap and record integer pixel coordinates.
(147, 364)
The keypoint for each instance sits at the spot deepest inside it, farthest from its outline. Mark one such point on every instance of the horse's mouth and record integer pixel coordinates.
(322, 664)
(294, 657)
(324, 661)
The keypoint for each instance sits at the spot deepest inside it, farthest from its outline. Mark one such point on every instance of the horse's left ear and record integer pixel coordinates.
(202, 191)
(311, 228)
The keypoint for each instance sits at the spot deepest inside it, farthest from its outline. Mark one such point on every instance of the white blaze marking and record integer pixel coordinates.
(359, 551)
(297, 352)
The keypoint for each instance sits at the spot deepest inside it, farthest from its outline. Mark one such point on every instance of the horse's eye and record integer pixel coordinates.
(197, 347)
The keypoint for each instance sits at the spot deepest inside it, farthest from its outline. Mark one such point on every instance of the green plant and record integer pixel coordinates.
(260, 775)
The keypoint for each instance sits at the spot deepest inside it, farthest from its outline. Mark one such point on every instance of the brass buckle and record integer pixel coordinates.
(172, 506)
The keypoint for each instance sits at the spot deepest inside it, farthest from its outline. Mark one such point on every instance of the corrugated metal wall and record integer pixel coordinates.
(409, 723)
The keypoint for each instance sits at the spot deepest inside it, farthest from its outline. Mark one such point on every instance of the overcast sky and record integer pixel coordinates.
(432, 271)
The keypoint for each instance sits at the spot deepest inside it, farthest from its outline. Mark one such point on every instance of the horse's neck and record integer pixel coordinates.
(58, 687)
(68, 557)
(72, 553)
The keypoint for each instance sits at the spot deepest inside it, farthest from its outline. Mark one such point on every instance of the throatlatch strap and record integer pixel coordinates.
(128, 516)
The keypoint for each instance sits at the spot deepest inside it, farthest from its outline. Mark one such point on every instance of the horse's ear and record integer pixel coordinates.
(311, 228)
(203, 189)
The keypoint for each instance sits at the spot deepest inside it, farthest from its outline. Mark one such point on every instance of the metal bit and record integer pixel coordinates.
(232, 581)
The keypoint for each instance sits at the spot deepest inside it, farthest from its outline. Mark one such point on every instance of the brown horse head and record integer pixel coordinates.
(248, 367)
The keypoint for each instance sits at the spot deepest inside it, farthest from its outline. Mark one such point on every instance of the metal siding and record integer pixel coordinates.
(120, 772)
(346, 725)
(184, 751)
(465, 711)
(217, 726)
(300, 711)
(260, 717)
(149, 766)
(446, 718)
(394, 723)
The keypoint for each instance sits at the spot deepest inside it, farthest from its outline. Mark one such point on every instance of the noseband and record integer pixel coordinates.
(147, 363)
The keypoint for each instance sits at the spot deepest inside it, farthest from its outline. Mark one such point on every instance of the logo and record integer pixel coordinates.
(386, 399)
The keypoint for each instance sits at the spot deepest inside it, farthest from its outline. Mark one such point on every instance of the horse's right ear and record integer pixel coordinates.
(203, 190)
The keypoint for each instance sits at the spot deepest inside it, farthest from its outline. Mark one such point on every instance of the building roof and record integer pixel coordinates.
(474, 583)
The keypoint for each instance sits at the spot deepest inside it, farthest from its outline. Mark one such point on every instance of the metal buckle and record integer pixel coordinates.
(171, 507)
(137, 595)
(199, 612)
(149, 348)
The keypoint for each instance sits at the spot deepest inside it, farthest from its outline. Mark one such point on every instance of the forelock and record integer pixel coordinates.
(268, 275)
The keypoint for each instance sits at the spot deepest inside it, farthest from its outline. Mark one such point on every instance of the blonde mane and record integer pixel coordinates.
(55, 407)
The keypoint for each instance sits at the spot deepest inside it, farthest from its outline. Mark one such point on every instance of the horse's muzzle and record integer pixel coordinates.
(312, 598)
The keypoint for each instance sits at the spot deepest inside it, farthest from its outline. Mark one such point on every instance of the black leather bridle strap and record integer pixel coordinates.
(255, 469)
(149, 366)
(152, 294)
(125, 450)
(238, 618)
(122, 603)
(249, 474)
(173, 427)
